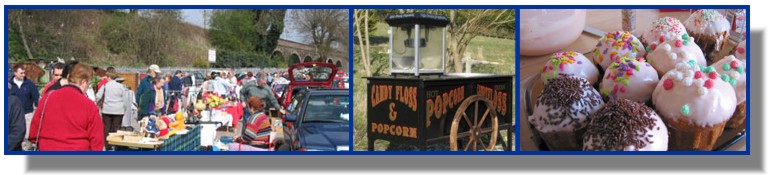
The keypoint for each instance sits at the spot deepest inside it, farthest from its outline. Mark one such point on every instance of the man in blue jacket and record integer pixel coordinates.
(16, 123)
(147, 82)
(24, 89)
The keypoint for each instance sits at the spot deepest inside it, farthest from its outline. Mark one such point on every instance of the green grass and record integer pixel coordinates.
(493, 49)
(497, 50)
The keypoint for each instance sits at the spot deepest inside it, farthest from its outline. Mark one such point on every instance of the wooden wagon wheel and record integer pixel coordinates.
(475, 130)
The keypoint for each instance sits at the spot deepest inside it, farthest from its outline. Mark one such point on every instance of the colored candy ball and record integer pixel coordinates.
(678, 43)
(685, 110)
(708, 84)
(697, 75)
(726, 67)
(668, 84)
(713, 75)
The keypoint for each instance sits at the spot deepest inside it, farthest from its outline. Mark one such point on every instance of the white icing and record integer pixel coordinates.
(540, 113)
(606, 43)
(661, 59)
(661, 27)
(586, 70)
(740, 79)
(708, 22)
(659, 139)
(641, 83)
(706, 108)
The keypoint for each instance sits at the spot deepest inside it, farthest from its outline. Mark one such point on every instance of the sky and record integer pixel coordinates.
(194, 16)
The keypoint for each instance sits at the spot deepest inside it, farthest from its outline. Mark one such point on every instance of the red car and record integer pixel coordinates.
(340, 81)
(309, 75)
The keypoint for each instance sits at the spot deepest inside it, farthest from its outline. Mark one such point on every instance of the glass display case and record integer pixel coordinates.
(417, 43)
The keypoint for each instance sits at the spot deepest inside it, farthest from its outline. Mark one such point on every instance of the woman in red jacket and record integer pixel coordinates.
(69, 120)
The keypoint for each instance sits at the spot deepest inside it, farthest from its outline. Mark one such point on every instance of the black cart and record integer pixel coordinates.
(467, 111)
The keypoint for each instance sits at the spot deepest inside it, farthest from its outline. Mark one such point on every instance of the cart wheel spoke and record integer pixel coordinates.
(475, 125)
(479, 139)
(476, 113)
(486, 113)
(475, 146)
(468, 121)
(468, 145)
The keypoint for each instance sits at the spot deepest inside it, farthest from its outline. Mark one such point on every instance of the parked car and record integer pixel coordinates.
(341, 80)
(309, 75)
(279, 88)
(318, 120)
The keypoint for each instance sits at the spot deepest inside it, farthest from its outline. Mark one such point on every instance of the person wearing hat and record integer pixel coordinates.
(112, 97)
(146, 83)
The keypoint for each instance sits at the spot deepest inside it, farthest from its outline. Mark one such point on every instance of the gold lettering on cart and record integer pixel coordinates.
(394, 130)
(498, 98)
(439, 105)
(380, 93)
(407, 95)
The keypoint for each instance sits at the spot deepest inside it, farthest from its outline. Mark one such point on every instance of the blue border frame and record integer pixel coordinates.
(351, 8)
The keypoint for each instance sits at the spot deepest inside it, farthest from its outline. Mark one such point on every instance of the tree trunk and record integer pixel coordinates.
(368, 42)
(364, 58)
(23, 36)
(454, 50)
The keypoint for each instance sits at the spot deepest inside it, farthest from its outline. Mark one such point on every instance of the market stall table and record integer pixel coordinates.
(236, 112)
(186, 140)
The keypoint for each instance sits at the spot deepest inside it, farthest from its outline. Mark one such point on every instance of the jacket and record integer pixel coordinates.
(27, 94)
(146, 103)
(176, 84)
(250, 89)
(17, 124)
(130, 108)
(113, 103)
(69, 122)
(145, 85)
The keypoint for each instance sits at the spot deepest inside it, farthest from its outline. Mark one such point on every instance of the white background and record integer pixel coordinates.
(761, 20)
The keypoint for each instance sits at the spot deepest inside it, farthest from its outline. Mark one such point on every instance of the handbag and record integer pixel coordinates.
(102, 100)
(35, 146)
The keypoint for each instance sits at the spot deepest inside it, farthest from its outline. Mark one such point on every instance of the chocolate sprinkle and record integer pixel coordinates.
(561, 94)
(620, 124)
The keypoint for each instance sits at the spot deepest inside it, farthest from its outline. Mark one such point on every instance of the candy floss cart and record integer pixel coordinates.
(421, 107)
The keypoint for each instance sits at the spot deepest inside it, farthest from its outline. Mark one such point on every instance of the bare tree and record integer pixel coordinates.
(468, 24)
(20, 15)
(327, 28)
(361, 26)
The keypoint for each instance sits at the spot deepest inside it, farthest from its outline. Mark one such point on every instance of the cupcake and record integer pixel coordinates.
(673, 51)
(739, 51)
(732, 71)
(624, 125)
(695, 103)
(629, 78)
(710, 29)
(562, 111)
(614, 45)
(569, 63)
(661, 30)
